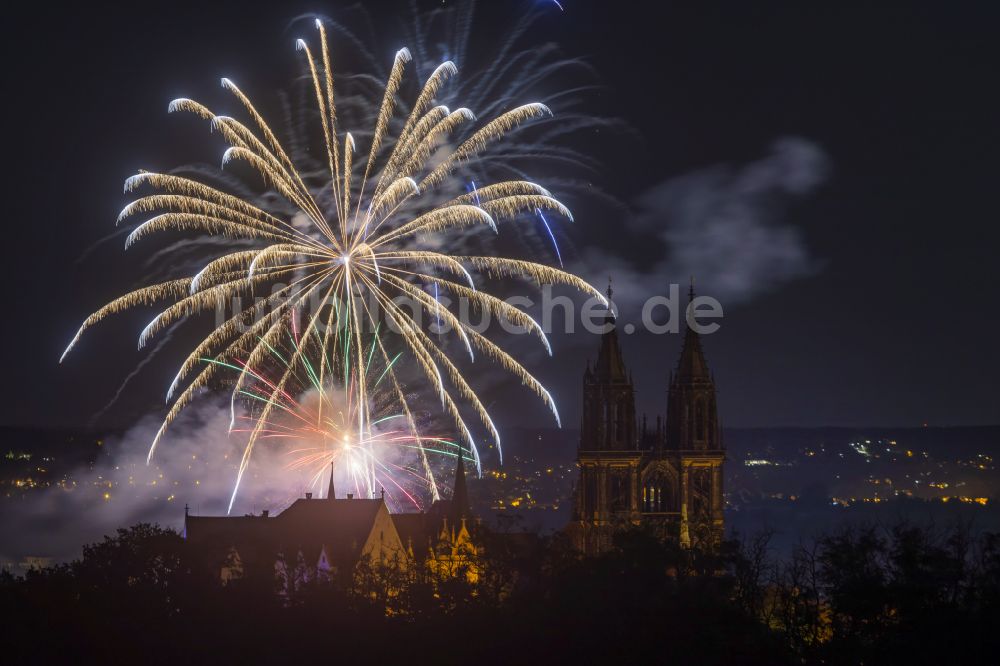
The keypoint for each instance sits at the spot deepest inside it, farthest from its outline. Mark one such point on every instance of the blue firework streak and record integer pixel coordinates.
(541, 216)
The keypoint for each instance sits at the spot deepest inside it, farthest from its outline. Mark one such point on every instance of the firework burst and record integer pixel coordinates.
(367, 232)
(318, 424)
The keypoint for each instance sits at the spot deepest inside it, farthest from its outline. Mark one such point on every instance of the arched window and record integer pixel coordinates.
(656, 493)
(701, 427)
(655, 504)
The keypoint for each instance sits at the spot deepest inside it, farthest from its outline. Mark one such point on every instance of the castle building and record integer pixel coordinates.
(328, 538)
(668, 479)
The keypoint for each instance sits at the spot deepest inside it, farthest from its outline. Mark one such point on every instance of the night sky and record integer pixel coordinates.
(879, 310)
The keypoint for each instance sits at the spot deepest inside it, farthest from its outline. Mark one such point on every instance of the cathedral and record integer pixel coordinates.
(668, 478)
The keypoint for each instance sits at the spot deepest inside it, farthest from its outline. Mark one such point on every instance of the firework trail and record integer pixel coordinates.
(521, 63)
(318, 422)
(370, 228)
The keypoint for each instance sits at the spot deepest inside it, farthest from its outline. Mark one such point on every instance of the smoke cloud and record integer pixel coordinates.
(725, 225)
(195, 465)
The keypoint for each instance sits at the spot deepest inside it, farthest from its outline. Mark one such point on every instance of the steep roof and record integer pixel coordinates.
(228, 529)
(342, 525)
(691, 366)
(610, 367)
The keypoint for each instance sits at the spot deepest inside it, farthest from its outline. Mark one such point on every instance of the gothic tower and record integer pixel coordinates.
(609, 459)
(670, 483)
(694, 436)
(608, 397)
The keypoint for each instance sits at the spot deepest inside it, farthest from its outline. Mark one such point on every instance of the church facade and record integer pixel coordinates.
(336, 539)
(667, 478)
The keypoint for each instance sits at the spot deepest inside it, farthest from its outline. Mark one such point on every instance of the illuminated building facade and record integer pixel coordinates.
(668, 479)
(328, 539)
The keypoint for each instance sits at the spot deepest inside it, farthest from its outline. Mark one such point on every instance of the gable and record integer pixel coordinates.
(383, 542)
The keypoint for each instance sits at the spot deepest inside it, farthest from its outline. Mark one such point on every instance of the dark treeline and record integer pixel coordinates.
(864, 595)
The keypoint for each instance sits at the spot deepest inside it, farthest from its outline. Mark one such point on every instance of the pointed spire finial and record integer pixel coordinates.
(330, 494)
(691, 290)
(609, 317)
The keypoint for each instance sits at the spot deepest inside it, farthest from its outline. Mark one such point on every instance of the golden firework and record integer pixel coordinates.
(361, 237)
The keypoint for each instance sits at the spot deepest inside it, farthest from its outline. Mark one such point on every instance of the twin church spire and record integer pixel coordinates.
(609, 418)
(670, 483)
